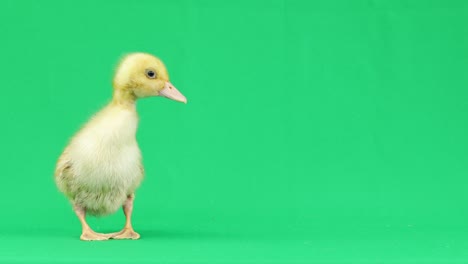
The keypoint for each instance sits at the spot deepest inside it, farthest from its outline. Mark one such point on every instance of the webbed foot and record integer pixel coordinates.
(126, 233)
(90, 235)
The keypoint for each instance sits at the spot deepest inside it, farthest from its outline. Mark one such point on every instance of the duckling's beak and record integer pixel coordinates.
(169, 91)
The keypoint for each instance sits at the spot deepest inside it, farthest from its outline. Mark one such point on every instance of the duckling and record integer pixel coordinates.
(101, 168)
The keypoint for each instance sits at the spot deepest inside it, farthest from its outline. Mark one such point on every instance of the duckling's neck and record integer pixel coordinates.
(124, 98)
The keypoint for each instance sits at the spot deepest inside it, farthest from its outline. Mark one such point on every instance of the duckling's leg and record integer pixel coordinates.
(87, 233)
(127, 232)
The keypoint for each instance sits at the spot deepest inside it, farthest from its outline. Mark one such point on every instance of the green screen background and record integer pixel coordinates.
(315, 131)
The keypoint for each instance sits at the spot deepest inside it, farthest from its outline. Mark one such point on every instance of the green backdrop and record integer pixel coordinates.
(315, 131)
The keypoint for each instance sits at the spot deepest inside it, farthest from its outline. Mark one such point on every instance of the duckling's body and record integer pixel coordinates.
(101, 167)
(105, 161)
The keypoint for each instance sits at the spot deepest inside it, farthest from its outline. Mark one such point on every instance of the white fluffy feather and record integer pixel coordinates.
(105, 161)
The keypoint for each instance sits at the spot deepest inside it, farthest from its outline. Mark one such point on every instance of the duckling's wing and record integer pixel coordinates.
(64, 172)
(142, 169)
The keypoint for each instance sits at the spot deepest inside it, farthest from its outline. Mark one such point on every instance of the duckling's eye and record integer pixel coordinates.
(150, 74)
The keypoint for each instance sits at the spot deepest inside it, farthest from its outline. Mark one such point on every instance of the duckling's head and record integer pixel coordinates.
(142, 75)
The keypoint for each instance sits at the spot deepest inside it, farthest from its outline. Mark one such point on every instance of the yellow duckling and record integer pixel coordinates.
(101, 167)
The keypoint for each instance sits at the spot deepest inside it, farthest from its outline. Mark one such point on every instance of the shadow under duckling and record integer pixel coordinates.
(101, 167)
